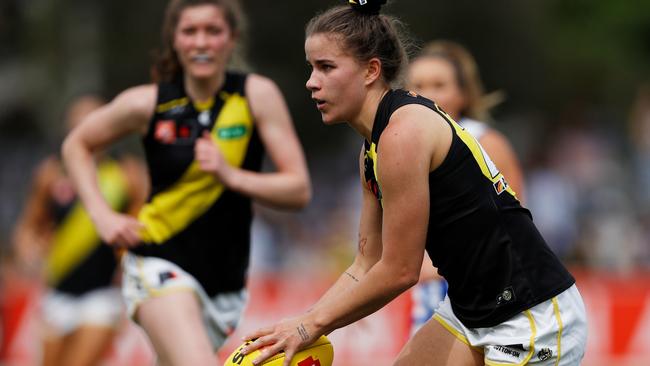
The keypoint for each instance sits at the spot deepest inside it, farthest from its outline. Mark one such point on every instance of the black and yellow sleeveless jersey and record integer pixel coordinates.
(482, 241)
(78, 261)
(190, 218)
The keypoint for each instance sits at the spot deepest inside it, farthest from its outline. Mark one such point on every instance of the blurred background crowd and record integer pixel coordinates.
(574, 77)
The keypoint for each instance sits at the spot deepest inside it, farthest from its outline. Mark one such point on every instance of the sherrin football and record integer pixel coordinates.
(319, 353)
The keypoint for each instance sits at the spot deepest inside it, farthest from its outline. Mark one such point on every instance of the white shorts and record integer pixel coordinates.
(64, 313)
(551, 333)
(148, 277)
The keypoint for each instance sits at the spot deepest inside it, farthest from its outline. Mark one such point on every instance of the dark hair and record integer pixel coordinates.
(366, 34)
(467, 77)
(166, 65)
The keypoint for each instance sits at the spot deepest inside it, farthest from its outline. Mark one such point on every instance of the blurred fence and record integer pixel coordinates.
(618, 308)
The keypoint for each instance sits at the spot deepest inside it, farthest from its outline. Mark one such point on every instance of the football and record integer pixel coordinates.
(319, 353)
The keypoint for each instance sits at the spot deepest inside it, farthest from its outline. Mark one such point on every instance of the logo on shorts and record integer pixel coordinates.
(508, 350)
(164, 276)
(544, 354)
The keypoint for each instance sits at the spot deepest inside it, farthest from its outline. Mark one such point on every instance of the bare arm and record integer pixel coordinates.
(128, 113)
(405, 156)
(138, 183)
(504, 157)
(289, 185)
(369, 244)
(33, 230)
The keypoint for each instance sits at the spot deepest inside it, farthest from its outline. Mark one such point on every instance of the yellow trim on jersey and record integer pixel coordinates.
(372, 154)
(480, 156)
(531, 346)
(202, 106)
(76, 237)
(164, 107)
(556, 310)
(172, 210)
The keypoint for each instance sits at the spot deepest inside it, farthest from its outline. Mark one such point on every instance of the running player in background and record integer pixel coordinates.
(204, 129)
(428, 186)
(446, 73)
(55, 237)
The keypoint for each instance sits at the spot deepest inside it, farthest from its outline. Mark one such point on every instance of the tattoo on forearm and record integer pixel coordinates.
(303, 332)
(362, 245)
(351, 276)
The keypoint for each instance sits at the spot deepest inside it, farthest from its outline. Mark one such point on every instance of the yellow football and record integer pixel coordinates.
(319, 353)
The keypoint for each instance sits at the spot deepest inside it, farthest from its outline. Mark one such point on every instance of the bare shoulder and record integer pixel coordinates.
(495, 139)
(49, 163)
(259, 86)
(48, 167)
(262, 93)
(138, 101)
(418, 133)
(266, 101)
(412, 125)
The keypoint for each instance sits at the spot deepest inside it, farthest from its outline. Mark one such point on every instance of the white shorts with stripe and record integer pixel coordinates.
(148, 277)
(64, 313)
(551, 333)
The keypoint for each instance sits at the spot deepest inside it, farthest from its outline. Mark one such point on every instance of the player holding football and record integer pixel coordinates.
(428, 185)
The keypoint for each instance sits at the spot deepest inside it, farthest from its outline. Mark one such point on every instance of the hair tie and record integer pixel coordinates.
(371, 7)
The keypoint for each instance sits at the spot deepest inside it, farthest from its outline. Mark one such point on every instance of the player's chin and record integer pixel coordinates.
(330, 118)
(204, 72)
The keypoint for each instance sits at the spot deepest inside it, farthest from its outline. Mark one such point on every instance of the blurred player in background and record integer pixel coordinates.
(428, 186)
(56, 238)
(446, 73)
(204, 130)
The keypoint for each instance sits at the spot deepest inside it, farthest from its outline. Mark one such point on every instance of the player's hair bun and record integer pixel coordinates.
(367, 6)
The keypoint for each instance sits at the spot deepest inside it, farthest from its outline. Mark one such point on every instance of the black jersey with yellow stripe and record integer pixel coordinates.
(78, 261)
(191, 218)
(482, 241)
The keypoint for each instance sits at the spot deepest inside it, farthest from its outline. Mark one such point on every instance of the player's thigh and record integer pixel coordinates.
(435, 345)
(52, 347)
(87, 345)
(175, 326)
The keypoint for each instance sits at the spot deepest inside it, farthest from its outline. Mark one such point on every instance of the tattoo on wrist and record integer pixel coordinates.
(351, 276)
(303, 332)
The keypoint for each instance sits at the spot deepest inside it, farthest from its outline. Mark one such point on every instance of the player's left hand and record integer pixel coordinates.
(210, 158)
(290, 336)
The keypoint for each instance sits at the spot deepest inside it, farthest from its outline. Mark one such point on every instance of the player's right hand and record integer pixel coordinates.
(118, 229)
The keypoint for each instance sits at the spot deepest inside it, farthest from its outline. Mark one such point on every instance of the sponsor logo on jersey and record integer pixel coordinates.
(500, 185)
(165, 131)
(506, 296)
(232, 132)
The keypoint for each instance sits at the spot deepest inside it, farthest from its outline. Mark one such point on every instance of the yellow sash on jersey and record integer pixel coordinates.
(76, 236)
(172, 210)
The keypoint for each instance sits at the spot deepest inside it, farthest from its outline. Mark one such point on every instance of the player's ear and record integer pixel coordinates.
(373, 70)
